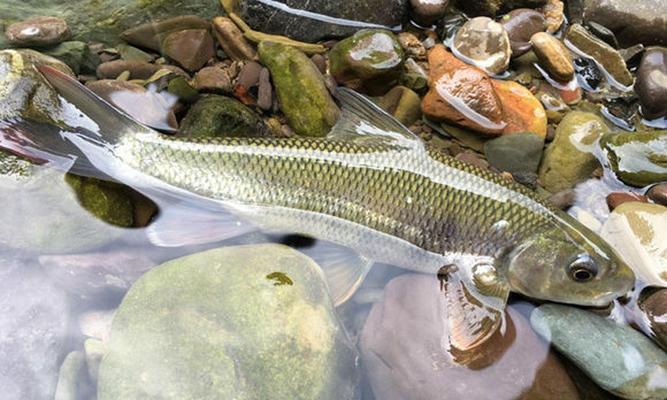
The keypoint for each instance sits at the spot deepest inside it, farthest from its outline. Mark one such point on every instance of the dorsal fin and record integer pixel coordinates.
(363, 121)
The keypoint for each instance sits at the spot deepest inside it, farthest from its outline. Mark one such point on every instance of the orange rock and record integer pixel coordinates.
(523, 111)
(461, 94)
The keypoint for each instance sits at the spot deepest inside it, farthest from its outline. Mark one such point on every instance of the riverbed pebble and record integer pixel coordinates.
(484, 43)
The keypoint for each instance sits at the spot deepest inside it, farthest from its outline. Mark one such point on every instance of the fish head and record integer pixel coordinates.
(568, 263)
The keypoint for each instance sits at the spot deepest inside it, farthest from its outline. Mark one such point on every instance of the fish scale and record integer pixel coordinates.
(414, 196)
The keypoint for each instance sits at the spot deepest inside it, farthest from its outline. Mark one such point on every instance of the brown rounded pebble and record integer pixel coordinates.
(554, 57)
(191, 48)
(137, 69)
(651, 85)
(554, 15)
(265, 91)
(521, 24)
(232, 41)
(412, 46)
(654, 305)
(658, 194)
(427, 12)
(320, 62)
(213, 79)
(617, 198)
(249, 75)
(38, 31)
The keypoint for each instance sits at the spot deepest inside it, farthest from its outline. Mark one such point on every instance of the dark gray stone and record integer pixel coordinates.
(651, 85)
(633, 22)
(313, 20)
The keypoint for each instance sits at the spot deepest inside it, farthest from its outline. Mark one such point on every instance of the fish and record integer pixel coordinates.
(371, 188)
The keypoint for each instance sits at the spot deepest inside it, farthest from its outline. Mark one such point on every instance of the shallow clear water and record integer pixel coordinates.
(64, 272)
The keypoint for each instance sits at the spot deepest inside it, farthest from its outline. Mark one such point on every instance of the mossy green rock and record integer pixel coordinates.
(403, 103)
(569, 160)
(25, 93)
(300, 87)
(104, 20)
(215, 325)
(220, 116)
(516, 153)
(109, 202)
(371, 57)
(617, 357)
(638, 159)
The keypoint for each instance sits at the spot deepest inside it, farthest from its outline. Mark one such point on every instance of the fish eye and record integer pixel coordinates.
(583, 268)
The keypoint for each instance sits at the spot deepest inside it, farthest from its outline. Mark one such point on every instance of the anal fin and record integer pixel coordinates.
(473, 314)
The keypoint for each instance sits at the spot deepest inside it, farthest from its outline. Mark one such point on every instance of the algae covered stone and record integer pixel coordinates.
(303, 96)
(569, 159)
(217, 325)
(370, 58)
(220, 116)
(638, 159)
(617, 357)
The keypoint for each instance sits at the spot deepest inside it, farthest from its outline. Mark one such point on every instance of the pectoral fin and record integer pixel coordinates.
(474, 309)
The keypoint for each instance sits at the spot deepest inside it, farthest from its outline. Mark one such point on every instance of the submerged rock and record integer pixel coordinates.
(314, 20)
(191, 48)
(38, 32)
(615, 199)
(523, 112)
(633, 22)
(653, 303)
(461, 94)
(33, 323)
(651, 85)
(519, 153)
(254, 339)
(427, 12)
(402, 350)
(638, 159)
(303, 95)
(616, 357)
(403, 104)
(605, 55)
(232, 41)
(108, 201)
(151, 34)
(370, 59)
(90, 20)
(493, 7)
(76, 55)
(637, 231)
(23, 89)
(521, 24)
(483, 43)
(554, 56)
(219, 116)
(658, 194)
(569, 159)
(146, 106)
